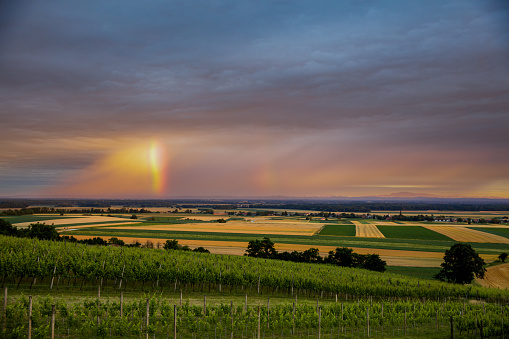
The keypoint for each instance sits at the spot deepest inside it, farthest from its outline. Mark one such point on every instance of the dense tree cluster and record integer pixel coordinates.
(174, 245)
(344, 257)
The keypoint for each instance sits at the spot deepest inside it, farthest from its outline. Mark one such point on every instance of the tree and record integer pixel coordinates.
(116, 241)
(171, 245)
(7, 229)
(341, 257)
(461, 264)
(503, 256)
(261, 249)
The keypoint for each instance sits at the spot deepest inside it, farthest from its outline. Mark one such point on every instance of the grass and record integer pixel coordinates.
(341, 230)
(411, 232)
(415, 272)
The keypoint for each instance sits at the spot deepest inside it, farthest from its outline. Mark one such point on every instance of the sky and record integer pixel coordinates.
(169, 99)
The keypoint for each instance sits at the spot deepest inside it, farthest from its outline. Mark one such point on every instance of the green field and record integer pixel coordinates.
(338, 230)
(503, 232)
(411, 232)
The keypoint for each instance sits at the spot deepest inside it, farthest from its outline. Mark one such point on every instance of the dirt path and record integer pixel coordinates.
(497, 276)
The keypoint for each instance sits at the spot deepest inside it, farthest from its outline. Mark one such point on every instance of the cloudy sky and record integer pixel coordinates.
(153, 98)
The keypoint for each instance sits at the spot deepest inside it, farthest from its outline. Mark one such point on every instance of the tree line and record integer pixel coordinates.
(42, 231)
(344, 257)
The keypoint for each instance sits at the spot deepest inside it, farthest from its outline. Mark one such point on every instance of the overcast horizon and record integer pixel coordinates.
(165, 99)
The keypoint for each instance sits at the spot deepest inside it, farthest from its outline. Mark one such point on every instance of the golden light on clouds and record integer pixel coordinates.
(137, 170)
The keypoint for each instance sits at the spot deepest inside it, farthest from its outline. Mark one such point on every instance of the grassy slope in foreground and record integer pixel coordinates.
(30, 257)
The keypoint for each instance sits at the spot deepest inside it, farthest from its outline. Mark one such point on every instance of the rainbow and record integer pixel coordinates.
(157, 167)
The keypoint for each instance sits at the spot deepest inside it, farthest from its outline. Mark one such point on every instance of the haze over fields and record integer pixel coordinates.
(163, 99)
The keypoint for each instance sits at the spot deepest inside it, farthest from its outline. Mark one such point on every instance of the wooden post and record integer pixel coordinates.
(268, 312)
(319, 323)
(52, 321)
(258, 335)
(293, 320)
(336, 297)
(231, 315)
(121, 277)
(246, 302)
(175, 321)
(148, 314)
(317, 306)
(29, 317)
(180, 298)
(121, 303)
(5, 310)
(367, 313)
(99, 292)
(53, 277)
(205, 305)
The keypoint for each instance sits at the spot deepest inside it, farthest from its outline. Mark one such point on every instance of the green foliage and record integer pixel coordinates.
(503, 256)
(261, 248)
(461, 264)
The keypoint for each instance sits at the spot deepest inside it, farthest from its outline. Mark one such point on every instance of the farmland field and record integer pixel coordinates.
(411, 232)
(341, 230)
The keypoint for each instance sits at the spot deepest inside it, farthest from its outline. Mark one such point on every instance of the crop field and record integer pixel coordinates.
(465, 234)
(261, 227)
(411, 232)
(404, 244)
(365, 230)
(501, 231)
(341, 230)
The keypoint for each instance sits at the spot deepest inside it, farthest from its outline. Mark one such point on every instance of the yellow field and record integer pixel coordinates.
(367, 230)
(464, 234)
(80, 220)
(289, 228)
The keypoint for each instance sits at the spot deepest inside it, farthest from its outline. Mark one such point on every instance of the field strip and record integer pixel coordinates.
(386, 223)
(464, 234)
(67, 228)
(367, 230)
(497, 276)
(393, 257)
(80, 220)
(246, 228)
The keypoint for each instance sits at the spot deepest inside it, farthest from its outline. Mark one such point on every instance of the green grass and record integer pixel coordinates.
(341, 230)
(503, 232)
(411, 232)
(415, 272)
(35, 218)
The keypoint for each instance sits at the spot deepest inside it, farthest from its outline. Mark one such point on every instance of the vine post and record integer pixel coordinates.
(53, 321)
(29, 317)
(148, 313)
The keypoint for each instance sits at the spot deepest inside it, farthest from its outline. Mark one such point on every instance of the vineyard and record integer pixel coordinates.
(157, 318)
(318, 301)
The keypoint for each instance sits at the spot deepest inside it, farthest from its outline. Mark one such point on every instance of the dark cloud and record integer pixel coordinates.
(423, 76)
